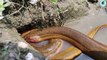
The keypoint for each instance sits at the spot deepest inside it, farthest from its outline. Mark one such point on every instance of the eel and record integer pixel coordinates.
(68, 54)
(53, 47)
(94, 31)
(86, 44)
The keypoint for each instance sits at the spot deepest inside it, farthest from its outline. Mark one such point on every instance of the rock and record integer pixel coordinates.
(10, 51)
(74, 8)
(10, 34)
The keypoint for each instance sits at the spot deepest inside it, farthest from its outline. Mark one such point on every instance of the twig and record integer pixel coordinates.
(22, 6)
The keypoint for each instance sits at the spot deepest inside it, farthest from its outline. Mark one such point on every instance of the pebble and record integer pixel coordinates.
(33, 1)
(29, 56)
(22, 45)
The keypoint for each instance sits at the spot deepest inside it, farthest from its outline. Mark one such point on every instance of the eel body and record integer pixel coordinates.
(50, 48)
(87, 45)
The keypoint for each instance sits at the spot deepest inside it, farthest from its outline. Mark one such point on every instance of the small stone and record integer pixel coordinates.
(29, 56)
(22, 45)
(33, 1)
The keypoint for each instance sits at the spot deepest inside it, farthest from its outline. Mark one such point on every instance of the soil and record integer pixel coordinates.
(43, 14)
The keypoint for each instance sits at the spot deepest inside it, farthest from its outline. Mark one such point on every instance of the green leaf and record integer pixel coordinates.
(1, 5)
(54, 1)
(1, 9)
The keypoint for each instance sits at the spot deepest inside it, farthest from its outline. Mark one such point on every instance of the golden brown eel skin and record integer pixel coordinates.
(91, 47)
